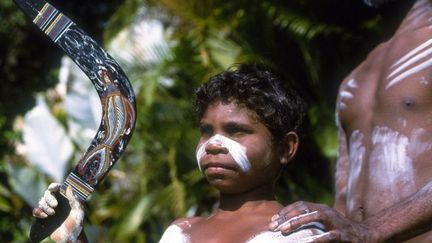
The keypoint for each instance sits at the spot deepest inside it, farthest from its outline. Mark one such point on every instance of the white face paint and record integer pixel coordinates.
(237, 151)
(414, 61)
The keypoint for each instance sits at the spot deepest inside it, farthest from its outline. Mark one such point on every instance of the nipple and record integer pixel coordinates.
(408, 102)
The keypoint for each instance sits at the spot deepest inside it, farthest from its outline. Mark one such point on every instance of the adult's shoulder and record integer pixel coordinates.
(371, 63)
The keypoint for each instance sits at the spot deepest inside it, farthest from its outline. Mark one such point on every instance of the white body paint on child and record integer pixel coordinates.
(237, 151)
(174, 234)
(301, 236)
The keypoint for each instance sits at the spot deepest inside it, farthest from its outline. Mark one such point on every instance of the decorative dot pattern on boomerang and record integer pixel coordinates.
(109, 142)
(97, 161)
(112, 85)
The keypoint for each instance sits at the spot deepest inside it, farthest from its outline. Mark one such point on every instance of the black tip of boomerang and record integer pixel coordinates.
(30, 7)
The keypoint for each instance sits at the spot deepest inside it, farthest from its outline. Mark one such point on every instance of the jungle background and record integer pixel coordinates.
(167, 48)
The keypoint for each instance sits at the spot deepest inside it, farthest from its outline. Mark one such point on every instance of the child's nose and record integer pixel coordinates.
(215, 148)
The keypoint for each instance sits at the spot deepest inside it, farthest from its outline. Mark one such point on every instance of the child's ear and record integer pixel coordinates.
(290, 146)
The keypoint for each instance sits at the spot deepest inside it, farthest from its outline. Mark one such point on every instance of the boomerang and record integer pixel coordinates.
(118, 108)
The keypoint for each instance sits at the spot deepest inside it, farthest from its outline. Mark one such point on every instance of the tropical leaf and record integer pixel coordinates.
(45, 142)
(27, 182)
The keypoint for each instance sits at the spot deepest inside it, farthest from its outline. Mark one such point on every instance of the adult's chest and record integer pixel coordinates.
(392, 87)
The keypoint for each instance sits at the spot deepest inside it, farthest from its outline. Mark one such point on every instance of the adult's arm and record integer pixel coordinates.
(402, 221)
(341, 177)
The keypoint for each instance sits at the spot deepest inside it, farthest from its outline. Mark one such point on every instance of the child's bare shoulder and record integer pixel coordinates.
(187, 222)
(175, 232)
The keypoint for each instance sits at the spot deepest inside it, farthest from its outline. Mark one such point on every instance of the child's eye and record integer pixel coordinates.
(206, 130)
(235, 130)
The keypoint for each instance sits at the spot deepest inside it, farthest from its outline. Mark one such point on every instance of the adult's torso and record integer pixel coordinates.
(385, 109)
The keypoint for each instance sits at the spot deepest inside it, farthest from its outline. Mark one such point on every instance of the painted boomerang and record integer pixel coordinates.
(118, 107)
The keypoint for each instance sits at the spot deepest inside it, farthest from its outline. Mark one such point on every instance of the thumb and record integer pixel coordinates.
(71, 228)
(74, 202)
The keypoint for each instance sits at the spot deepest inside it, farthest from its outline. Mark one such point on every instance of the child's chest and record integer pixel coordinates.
(227, 230)
(175, 234)
(239, 230)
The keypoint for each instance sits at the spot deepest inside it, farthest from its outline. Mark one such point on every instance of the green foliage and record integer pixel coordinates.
(122, 17)
(308, 42)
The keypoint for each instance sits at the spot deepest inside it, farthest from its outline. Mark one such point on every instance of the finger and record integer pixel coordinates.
(47, 202)
(53, 187)
(298, 221)
(76, 214)
(39, 213)
(69, 194)
(277, 220)
(293, 214)
(49, 198)
(45, 207)
(295, 209)
(274, 222)
(74, 202)
(288, 212)
(293, 206)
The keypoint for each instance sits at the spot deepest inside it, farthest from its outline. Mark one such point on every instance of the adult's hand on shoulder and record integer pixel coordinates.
(71, 228)
(336, 226)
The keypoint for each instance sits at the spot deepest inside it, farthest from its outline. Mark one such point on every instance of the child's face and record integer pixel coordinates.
(236, 152)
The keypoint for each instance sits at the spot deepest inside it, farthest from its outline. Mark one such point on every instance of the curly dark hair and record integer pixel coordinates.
(277, 106)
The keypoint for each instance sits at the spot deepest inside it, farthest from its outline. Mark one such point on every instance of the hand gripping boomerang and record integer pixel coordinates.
(118, 108)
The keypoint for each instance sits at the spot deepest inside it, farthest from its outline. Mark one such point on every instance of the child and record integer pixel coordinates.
(250, 127)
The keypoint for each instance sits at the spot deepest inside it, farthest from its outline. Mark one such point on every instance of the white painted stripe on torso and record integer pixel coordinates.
(412, 52)
(345, 94)
(352, 83)
(356, 159)
(418, 10)
(410, 72)
(402, 68)
(411, 61)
